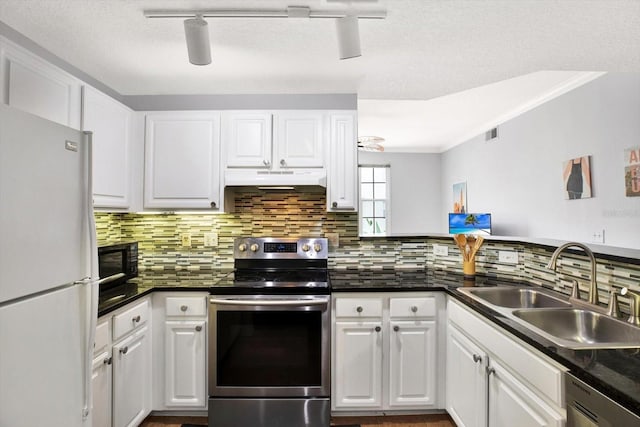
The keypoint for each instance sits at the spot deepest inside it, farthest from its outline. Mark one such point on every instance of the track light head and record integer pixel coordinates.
(196, 31)
(348, 37)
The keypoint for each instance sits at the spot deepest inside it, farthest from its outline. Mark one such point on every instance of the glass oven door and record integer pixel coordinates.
(269, 346)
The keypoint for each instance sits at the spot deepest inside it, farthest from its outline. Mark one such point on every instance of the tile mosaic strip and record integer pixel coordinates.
(297, 214)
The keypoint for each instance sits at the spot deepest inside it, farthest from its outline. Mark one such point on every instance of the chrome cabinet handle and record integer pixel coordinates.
(490, 371)
(184, 308)
(282, 162)
(136, 319)
(378, 328)
(213, 204)
(266, 163)
(124, 350)
(477, 358)
(396, 328)
(414, 309)
(359, 309)
(198, 328)
(334, 204)
(107, 360)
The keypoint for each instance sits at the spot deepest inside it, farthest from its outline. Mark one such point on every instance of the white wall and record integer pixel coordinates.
(415, 190)
(518, 177)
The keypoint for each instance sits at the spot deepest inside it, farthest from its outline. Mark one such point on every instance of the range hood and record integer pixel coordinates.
(274, 178)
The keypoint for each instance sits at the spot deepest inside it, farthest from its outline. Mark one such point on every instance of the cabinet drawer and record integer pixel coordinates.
(186, 306)
(102, 336)
(359, 307)
(412, 307)
(130, 319)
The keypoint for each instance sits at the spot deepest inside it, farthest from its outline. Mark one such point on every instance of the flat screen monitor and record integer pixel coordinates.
(470, 223)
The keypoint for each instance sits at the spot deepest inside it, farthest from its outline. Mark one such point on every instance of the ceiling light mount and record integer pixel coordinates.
(290, 12)
(196, 31)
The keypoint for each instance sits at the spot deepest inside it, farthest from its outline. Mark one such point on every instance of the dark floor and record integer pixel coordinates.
(389, 421)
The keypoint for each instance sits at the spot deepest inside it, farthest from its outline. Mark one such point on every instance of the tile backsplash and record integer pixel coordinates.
(295, 214)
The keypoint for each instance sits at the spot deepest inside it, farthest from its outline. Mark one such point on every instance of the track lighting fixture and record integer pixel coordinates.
(197, 35)
(348, 37)
(196, 31)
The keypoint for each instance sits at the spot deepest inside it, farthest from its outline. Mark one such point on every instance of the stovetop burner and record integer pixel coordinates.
(285, 263)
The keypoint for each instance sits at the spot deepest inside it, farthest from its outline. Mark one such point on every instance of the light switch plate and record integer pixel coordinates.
(508, 257)
(440, 250)
(333, 239)
(210, 240)
(597, 236)
(185, 239)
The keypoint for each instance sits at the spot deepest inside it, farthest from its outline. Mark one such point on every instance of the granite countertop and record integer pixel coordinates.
(615, 373)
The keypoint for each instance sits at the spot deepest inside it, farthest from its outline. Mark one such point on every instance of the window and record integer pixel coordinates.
(374, 200)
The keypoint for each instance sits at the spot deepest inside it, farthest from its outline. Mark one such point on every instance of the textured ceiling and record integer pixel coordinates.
(424, 49)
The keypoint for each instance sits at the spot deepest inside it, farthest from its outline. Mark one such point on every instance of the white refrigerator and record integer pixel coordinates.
(48, 273)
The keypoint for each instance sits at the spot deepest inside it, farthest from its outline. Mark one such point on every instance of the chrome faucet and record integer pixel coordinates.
(593, 286)
(634, 306)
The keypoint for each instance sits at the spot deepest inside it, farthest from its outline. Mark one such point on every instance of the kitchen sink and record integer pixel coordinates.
(581, 329)
(513, 297)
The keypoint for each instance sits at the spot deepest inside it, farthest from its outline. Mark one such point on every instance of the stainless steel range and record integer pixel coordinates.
(269, 336)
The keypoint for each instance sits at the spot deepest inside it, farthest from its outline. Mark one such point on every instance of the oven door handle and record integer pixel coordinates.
(111, 278)
(288, 303)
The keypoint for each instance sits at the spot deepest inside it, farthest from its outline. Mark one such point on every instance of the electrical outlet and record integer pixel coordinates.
(440, 250)
(334, 240)
(185, 238)
(211, 240)
(508, 257)
(597, 236)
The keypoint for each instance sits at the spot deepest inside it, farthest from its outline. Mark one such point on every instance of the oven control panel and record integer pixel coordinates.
(280, 248)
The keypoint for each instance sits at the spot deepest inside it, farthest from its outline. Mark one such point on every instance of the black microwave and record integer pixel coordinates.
(117, 263)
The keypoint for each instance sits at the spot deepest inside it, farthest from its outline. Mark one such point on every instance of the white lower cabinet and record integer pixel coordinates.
(121, 375)
(512, 403)
(101, 389)
(357, 379)
(180, 351)
(412, 363)
(495, 381)
(466, 380)
(185, 363)
(385, 352)
(131, 379)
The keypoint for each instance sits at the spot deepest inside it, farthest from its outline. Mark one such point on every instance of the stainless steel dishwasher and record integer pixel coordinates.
(587, 407)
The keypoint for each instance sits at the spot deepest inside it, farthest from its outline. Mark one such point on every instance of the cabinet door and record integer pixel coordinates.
(131, 379)
(342, 185)
(357, 381)
(110, 123)
(466, 381)
(511, 403)
(182, 160)
(185, 363)
(412, 363)
(101, 390)
(299, 140)
(247, 139)
(37, 87)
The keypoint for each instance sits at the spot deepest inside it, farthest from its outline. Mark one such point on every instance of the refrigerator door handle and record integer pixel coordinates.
(92, 282)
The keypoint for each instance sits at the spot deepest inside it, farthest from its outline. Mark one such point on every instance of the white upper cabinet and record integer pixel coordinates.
(285, 139)
(299, 139)
(342, 185)
(37, 87)
(247, 139)
(110, 122)
(182, 160)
